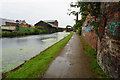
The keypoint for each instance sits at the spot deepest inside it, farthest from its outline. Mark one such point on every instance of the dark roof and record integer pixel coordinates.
(47, 21)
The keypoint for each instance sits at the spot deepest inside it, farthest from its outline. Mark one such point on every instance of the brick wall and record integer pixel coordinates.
(107, 42)
(108, 49)
(89, 36)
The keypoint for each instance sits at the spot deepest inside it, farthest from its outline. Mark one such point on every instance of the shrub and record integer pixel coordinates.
(6, 33)
(80, 30)
(37, 30)
(20, 33)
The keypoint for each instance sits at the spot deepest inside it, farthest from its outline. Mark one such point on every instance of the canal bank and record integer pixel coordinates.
(35, 67)
(16, 51)
(76, 60)
(71, 62)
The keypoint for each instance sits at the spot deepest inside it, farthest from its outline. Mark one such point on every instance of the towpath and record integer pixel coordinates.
(71, 62)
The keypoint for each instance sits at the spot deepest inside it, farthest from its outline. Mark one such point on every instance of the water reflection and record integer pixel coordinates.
(16, 50)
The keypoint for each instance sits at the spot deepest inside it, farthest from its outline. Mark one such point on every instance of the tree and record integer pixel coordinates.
(68, 26)
(92, 8)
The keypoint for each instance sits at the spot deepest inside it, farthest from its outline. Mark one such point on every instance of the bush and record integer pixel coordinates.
(37, 30)
(40, 30)
(20, 33)
(80, 30)
(41, 27)
(31, 32)
(6, 33)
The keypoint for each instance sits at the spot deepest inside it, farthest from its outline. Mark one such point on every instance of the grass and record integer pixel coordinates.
(35, 67)
(92, 54)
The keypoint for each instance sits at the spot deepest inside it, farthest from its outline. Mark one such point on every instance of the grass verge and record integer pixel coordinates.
(35, 67)
(92, 54)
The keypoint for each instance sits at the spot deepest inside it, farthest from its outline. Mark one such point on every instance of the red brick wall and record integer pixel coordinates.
(91, 38)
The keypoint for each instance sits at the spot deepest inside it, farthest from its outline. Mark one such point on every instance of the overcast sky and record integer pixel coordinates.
(35, 10)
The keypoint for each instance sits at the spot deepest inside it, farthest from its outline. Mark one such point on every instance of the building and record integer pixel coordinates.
(50, 25)
(11, 25)
(24, 26)
(7, 22)
(54, 22)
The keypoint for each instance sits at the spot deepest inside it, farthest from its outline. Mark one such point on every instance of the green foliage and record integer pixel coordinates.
(17, 28)
(78, 24)
(92, 8)
(18, 33)
(40, 30)
(6, 33)
(75, 26)
(37, 30)
(82, 7)
(68, 26)
(40, 27)
(91, 53)
(35, 67)
(80, 30)
(87, 7)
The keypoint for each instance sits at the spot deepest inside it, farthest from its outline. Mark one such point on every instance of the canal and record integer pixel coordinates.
(16, 51)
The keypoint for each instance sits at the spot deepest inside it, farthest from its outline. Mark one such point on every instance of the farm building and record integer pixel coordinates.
(50, 25)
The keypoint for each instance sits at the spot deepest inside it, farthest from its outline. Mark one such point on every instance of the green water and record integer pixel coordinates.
(17, 50)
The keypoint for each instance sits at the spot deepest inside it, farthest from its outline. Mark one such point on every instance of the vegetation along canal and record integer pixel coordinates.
(16, 51)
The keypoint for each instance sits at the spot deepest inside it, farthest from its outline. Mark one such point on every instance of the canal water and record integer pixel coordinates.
(16, 51)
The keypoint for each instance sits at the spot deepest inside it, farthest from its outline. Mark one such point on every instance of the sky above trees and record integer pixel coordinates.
(35, 10)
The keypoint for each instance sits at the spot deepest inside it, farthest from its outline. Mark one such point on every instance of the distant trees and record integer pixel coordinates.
(69, 28)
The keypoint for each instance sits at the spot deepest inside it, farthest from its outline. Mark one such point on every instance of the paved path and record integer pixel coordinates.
(71, 62)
